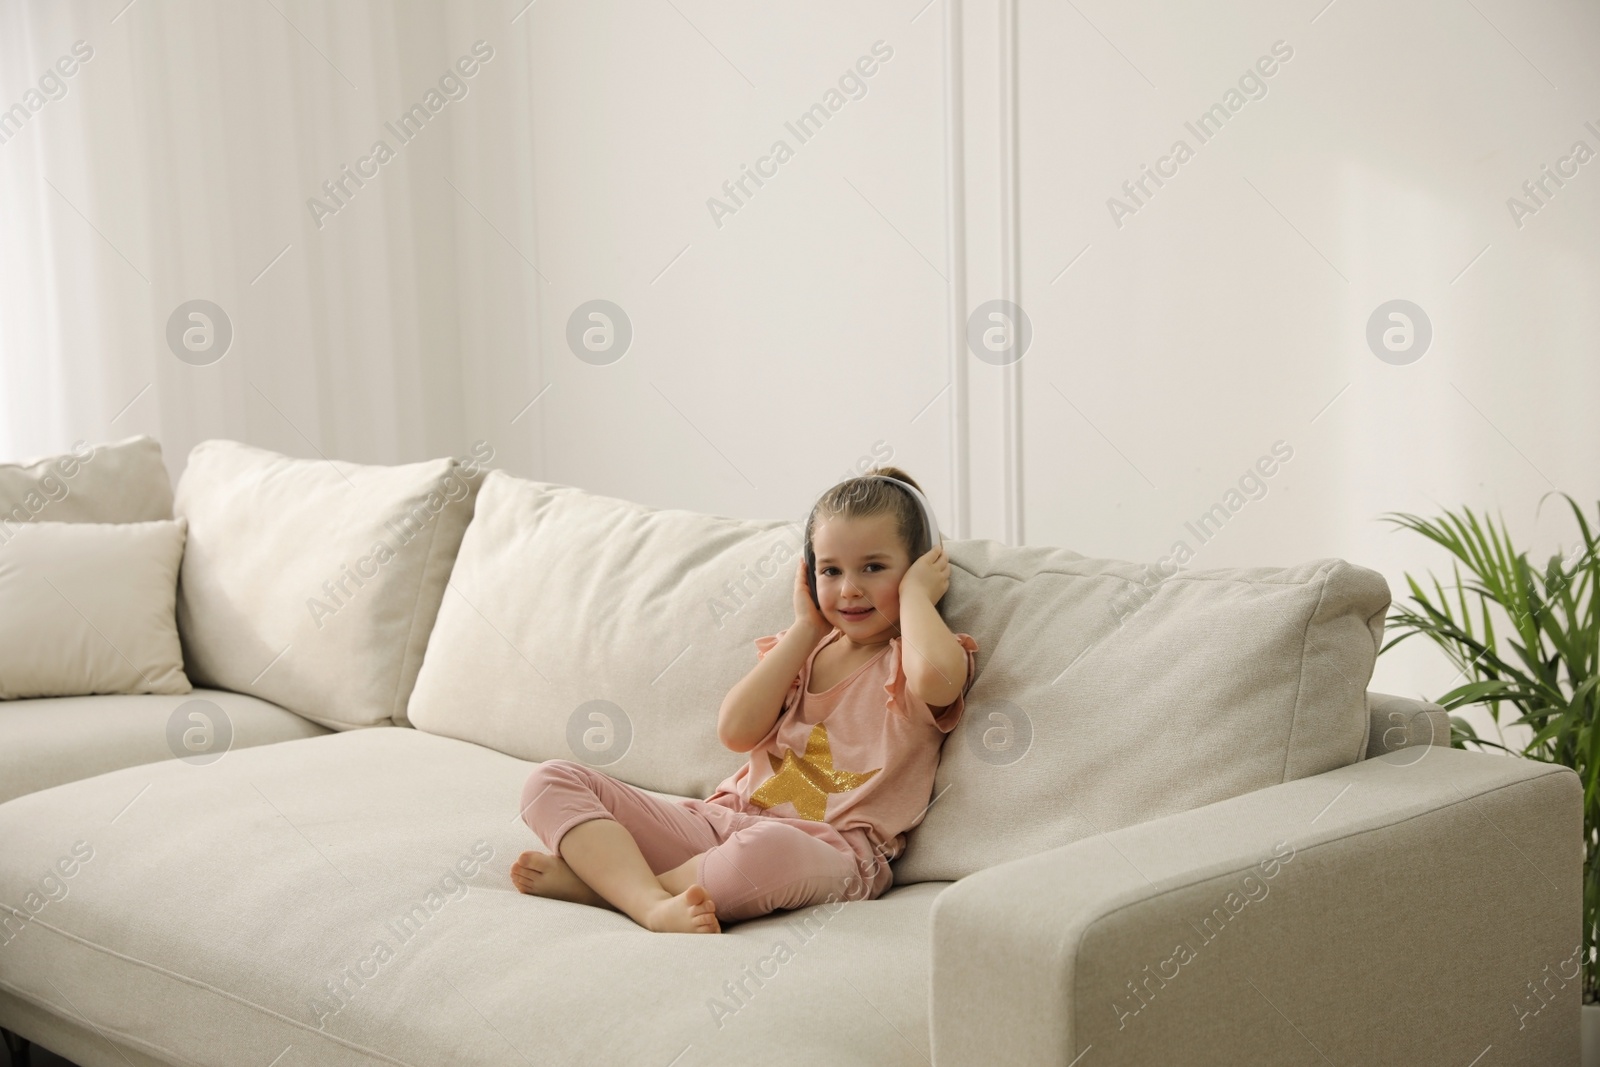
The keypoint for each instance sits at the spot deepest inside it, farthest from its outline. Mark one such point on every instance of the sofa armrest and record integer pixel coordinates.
(1398, 910)
(1404, 722)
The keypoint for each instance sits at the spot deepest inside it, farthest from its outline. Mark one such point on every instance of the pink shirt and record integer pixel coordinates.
(861, 754)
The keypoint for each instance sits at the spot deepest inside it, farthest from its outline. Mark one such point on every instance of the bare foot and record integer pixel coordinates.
(545, 874)
(690, 912)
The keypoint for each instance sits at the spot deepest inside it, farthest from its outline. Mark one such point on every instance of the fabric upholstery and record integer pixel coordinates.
(72, 1041)
(1301, 923)
(314, 583)
(588, 628)
(87, 607)
(1105, 699)
(123, 481)
(1405, 722)
(223, 911)
(54, 740)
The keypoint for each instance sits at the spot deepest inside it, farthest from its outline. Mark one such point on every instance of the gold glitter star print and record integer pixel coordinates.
(806, 781)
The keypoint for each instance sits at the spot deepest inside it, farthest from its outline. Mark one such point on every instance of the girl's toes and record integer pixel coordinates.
(705, 914)
(523, 873)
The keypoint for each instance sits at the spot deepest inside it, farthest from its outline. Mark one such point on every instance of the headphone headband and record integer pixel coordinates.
(931, 524)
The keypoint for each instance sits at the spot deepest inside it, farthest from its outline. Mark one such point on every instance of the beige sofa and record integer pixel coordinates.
(1173, 825)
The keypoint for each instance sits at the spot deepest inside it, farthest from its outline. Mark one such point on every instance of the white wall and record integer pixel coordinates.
(774, 350)
(1230, 311)
(813, 328)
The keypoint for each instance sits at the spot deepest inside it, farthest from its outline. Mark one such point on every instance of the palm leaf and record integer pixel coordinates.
(1549, 669)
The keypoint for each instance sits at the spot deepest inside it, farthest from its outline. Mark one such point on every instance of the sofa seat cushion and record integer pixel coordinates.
(52, 740)
(349, 895)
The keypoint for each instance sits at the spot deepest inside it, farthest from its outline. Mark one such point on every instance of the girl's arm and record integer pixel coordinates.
(934, 661)
(752, 706)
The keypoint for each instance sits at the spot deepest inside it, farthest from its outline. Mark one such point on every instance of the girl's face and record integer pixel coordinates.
(860, 562)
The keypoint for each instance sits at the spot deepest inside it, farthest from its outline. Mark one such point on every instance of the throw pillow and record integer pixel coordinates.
(89, 608)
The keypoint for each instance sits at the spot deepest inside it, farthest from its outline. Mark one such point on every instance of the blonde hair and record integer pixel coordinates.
(865, 496)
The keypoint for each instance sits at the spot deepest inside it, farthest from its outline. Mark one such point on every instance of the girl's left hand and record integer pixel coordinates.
(930, 574)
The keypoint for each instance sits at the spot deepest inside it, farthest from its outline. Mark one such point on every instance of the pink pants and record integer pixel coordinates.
(751, 863)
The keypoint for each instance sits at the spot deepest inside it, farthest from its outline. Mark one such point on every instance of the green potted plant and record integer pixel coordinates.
(1546, 666)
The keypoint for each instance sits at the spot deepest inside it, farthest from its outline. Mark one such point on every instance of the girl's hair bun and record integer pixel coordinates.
(894, 472)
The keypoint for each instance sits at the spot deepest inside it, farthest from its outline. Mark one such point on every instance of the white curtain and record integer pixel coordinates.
(175, 163)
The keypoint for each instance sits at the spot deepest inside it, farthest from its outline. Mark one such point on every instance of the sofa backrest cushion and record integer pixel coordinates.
(124, 481)
(1110, 696)
(592, 629)
(314, 583)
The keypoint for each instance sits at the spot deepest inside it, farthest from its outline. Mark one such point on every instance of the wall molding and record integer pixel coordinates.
(1010, 267)
(983, 249)
(955, 228)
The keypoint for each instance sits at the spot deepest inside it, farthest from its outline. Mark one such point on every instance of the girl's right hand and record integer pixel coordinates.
(805, 609)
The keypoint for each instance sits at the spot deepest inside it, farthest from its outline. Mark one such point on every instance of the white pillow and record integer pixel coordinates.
(314, 583)
(584, 627)
(1111, 696)
(124, 481)
(89, 608)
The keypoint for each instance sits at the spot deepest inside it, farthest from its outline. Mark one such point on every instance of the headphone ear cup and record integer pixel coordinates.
(811, 575)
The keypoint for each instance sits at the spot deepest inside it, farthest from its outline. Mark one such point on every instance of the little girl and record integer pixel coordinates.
(843, 716)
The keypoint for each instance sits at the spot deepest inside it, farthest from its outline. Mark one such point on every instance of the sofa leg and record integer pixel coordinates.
(18, 1047)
